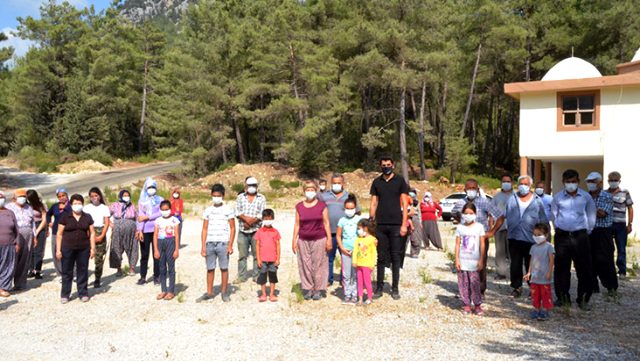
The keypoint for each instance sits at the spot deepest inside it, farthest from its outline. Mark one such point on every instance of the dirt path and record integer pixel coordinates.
(124, 321)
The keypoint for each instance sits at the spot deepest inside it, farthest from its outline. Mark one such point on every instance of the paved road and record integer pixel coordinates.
(47, 184)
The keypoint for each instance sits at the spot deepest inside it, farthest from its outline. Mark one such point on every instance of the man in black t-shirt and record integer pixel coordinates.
(391, 224)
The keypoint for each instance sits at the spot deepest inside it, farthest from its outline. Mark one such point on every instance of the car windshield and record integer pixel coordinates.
(456, 196)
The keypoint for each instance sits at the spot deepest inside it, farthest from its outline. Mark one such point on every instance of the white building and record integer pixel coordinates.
(576, 118)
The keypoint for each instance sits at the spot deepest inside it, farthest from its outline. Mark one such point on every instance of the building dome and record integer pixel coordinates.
(572, 68)
(637, 56)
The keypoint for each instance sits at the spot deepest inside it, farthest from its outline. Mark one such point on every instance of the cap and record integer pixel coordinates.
(20, 192)
(61, 190)
(594, 176)
(251, 181)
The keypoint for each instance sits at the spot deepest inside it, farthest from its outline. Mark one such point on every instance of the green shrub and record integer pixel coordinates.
(276, 184)
(238, 187)
(225, 166)
(97, 154)
(294, 184)
(32, 158)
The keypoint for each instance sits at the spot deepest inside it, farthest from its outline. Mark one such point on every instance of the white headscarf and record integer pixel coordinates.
(146, 198)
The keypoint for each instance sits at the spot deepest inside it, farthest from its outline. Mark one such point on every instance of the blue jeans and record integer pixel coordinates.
(332, 256)
(620, 235)
(167, 264)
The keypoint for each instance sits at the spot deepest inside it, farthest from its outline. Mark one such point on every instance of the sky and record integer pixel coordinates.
(11, 9)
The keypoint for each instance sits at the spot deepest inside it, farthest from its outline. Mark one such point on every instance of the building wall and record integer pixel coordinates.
(583, 168)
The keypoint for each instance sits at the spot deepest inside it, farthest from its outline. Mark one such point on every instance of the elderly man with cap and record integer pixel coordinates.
(601, 238)
(26, 230)
(56, 212)
(249, 207)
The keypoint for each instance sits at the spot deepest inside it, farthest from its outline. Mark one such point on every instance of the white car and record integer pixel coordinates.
(448, 202)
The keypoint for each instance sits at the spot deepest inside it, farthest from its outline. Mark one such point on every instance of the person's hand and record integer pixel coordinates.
(629, 228)
(600, 213)
(99, 239)
(246, 226)
(458, 266)
(92, 254)
(156, 254)
(35, 242)
(176, 254)
(490, 234)
(139, 236)
(549, 275)
(527, 277)
(403, 230)
(58, 255)
(480, 265)
(143, 218)
(203, 252)
(48, 232)
(277, 263)
(229, 249)
(295, 247)
(329, 245)
(259, 264)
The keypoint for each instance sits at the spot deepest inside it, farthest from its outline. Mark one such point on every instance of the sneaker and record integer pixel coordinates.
(466, 310)
(317, 296)
(97, 284)
(479, 311)
(37, 276)
(307, 295)
(64, 300)
(141, 282)
(31, 274)
(395, 294)
(225, 297)
(367, 302)
(516, 293)
(84, 298)
(346, 301)
(622, 276)
(378, 292)
(156, 281)
(535, 314)
(543, 316)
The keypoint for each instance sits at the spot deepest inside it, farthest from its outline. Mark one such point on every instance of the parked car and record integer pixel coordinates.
(448, 202)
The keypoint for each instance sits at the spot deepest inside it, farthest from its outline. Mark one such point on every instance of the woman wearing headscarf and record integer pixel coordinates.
(177, 207)
(148, 212)
(430, 210)
(123, 235)
(26, 230)
(8, 246)
(416, 232)
(39, 212)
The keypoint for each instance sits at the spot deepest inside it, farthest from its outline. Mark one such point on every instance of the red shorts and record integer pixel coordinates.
(541, 295)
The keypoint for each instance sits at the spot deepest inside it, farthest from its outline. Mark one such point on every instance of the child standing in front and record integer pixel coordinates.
(268, 253)
(346, 235)
(469, 247)
(218, 233)
(364, 257)
(166, 245)
(540, 272)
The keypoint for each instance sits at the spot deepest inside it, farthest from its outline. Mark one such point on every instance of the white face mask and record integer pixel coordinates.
(176, 195)
(267, 222)
(126, 199)
(166, 213)
(216, 200)
(523, 190)
(252, 190)
(539, 239)
(592, 187)
(614, 185)
(77, 208)
(322, 188)
(21, 200)
(472, 194)
(310, 195)
(507, 186)
(336, 188)
(468, 218)
(2, 202)
(151, 191)
(361, 232)
(95, 202)
(350, 212)
(540, 191)
(571, 187)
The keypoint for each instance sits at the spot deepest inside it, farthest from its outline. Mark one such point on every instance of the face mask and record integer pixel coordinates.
(126, 199)
(166, 213)
(540, 191)
(95, 202)
(77, 208)
(571, 187)
(361, 232)
(386, 170)
(472, 194)
(21, 200)
(592, 187)
(336, 188)
(322, 188)
(176, 195)
(523, 189)
(252, 190)
(2, 202)
(267, 223)
(614, 185)
(350, 212)
(310, 195)
(539, 239)
(468, 218)
(216, 200)
(151, 191)
(507, 186)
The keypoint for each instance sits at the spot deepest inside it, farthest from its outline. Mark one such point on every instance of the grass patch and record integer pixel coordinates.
(634, 270)
(425, 276)
(422, 299)
(294, 184)
(451, 257)
(276, 184)
(181, 297)
(238, 187)
(297, 292)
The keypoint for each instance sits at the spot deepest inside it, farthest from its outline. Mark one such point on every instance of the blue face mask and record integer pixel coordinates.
(523, 190)
(507, 186)
(571, 187)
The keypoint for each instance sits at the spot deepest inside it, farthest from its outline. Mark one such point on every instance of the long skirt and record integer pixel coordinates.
(123, 240)
(417, 236)
(7, 265)
(431, 233)
(313, 264)
(23, 258)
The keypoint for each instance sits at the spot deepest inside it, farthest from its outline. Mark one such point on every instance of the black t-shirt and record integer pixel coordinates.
(76, 232)
(389, 210)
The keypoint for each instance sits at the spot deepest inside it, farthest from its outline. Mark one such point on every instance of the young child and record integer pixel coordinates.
(364, 258)
(166, 248)
(469, 246)
(268, 253)
(218, 233)
(346, 235)
(540, 272)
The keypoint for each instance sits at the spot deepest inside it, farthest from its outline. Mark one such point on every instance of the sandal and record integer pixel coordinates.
(4, 293)
(169, 296)
(262, 298)
(273, 298)
(161, 296)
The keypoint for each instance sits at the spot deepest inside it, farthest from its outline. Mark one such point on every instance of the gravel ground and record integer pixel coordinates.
(124, 321)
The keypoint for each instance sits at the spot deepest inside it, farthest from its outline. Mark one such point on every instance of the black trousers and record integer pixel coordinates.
(78, 259)
(519, 254)
(146, 250)
(573, 247)
(602, 250)
(391, 249)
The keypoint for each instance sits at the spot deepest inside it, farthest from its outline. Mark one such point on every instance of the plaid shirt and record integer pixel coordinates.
(484, 209)
(604, 201)
(250, 209)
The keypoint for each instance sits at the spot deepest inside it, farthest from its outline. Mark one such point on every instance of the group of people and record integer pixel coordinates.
(328, 223)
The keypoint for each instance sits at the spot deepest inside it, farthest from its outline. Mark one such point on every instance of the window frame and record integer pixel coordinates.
(561, 127)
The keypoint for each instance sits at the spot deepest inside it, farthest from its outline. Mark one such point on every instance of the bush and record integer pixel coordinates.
(97, 154)
(294, 184)
(32, 158)
(276, 184)
(238, 187)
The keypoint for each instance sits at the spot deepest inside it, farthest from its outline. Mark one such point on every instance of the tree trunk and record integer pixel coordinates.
(224, 155)
(441, 118)
(403, 138)
(144, 105)
(423, 171)
(473, 84)
(241, 157)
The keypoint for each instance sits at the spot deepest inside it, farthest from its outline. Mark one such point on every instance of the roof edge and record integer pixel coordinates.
(515, 89)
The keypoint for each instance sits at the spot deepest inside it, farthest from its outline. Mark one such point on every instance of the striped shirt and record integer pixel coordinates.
(604, 201)
(621, 201)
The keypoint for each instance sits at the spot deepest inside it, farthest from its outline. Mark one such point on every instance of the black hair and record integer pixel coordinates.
(35, 201)
(269, 213)
(165, 203)
(351, 198)
(544, 227)
(470, 206)
(506, 175)
(472, 180)
(570, 173)
(365, 223)
(218, 188)
(322, 180)
(76, 197)
(97, 191)
(385, 157)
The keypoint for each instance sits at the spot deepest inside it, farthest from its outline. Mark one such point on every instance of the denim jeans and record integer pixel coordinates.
(332, 256)
(620, 235)
(167, 264)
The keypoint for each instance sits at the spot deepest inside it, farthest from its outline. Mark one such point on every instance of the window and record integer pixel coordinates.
(578, 111)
